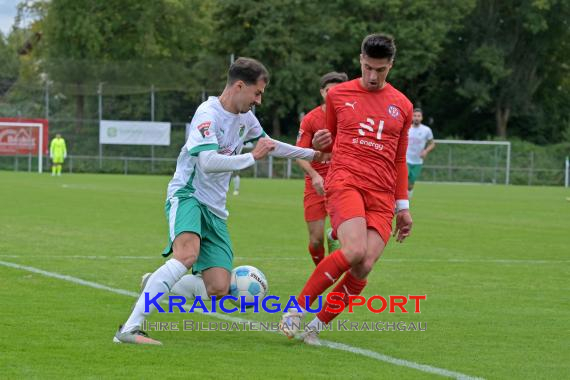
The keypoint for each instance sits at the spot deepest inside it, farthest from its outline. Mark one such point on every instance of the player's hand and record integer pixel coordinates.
(321, 156)
(262, 148)
(322, 139)
(318, 184)
(423, 154)
(403, 225)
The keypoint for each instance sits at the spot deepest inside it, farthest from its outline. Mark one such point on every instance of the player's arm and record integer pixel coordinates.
(211, 161)
(403, 217)
(64, 150)
(285, 150)
(429, 147)
(323, 139)
(305, 141)
(316, 179)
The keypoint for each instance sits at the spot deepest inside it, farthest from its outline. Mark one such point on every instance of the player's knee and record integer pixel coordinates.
(354, 252)
(364, 268)
(316, 241)
(217, 289)
(186, 256)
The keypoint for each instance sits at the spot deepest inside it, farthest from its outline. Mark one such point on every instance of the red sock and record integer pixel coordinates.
(349, 285)
(325, 274)
(317, 254)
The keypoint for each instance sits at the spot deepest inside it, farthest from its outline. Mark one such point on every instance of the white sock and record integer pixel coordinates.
(162, 280)
(236, 183)
(410, 193)
(190, 286)
(316, 324)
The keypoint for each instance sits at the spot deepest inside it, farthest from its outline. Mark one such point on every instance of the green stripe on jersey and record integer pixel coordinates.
(200, 148)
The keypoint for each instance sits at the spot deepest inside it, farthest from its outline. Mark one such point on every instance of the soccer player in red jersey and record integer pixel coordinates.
(368, 120)
(316, 172)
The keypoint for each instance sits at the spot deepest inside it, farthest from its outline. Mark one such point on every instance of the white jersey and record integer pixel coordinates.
(417, 140)
(212, 128)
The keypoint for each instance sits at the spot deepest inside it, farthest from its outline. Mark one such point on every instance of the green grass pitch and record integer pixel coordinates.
(494, 262)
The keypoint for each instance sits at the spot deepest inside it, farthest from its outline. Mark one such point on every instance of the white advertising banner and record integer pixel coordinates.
(134, 132)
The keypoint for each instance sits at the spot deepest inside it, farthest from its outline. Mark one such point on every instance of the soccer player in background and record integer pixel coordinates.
(315, 174)
(368, 120)
(236, 181)
(420, 143)
(57, 153)
(196, 198)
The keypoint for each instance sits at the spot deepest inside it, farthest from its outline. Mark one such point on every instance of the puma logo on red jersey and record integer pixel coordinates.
(350, 104)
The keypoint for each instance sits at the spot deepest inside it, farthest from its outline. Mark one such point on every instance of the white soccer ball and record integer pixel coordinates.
(248, 281)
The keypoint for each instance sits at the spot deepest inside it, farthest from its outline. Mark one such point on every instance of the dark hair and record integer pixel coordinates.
(379, 46)
(248, 70)
(417, 109)
(333, 77)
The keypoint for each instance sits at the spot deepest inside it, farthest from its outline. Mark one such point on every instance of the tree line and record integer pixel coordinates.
(479, 68)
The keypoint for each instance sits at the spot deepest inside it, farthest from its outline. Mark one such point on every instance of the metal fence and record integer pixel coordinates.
(449, 171)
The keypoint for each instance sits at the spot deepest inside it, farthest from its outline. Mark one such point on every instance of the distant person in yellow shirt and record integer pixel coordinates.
(57, 153)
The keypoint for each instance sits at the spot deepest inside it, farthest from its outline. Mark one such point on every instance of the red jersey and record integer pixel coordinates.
(370, 137)
(312, 122)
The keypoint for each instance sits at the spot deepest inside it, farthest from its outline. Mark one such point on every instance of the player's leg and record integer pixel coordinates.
(316, 240)
(352, 235)
(411, 181)
(217, 281)
(53, 168)
(216, 257)
(352, 283)
(236, 184)
(347, 213)
(414, 172)
(184, 217)
(190, 286)
(186, 248)
(315, 213)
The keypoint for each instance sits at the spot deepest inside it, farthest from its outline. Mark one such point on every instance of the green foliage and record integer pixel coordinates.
(509, 46)
(477, 67)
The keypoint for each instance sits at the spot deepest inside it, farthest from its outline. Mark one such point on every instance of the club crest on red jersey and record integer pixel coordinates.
(299, 135)
(393, 111)
(204, 128)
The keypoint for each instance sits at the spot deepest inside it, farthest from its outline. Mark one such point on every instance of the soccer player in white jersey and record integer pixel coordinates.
(420, 143)
(196, 200)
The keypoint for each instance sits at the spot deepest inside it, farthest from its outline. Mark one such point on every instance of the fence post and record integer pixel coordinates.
(567, 172)
(255, 170)
(70, 164)
(270, 167)
(100, 111)
(288, 168)
(530, 168)
(126, 166)
(15, 163)
(449, 162)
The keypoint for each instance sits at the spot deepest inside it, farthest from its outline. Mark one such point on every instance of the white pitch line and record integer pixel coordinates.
(300, 258)
(330, 344)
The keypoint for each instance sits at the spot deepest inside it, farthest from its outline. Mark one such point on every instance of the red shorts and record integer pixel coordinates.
(315, 208)
(346, 202)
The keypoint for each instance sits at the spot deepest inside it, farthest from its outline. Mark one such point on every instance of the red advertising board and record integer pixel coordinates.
(22, 136)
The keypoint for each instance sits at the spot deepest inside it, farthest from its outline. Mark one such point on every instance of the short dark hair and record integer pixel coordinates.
(418, 109)
(248, 70)
(333, 77)
(379, 46)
